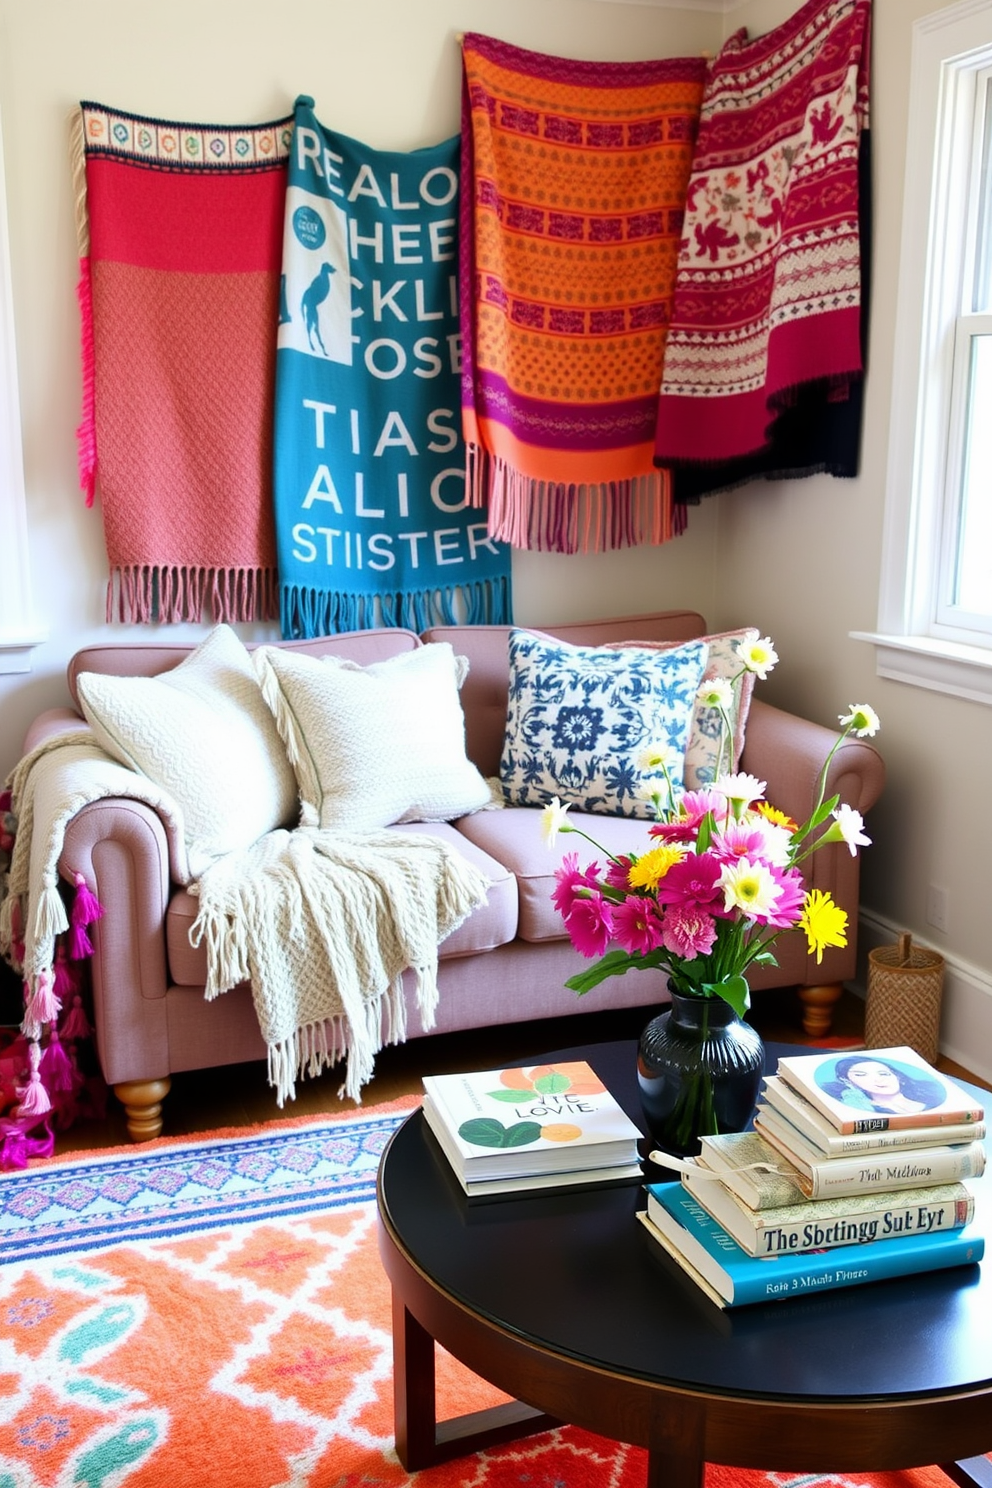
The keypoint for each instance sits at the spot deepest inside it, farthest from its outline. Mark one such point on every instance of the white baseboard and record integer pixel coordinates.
(966, 1008)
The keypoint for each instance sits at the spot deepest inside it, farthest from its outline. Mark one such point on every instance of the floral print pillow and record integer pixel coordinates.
(579, 719)
(707, 751)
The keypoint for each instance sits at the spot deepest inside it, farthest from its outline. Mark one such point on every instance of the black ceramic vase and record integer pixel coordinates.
(699, 1067)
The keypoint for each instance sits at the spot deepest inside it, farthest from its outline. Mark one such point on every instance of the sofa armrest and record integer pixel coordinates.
(121, 848)
(53, 721)
(788, 752)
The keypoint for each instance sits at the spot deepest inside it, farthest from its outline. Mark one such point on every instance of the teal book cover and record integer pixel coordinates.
(740, 1278)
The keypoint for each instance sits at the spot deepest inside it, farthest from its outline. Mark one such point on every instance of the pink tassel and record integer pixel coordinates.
(86, 910)
(43, 1006)
(66, 976)
(34, 1099)
(75, 1024)
(16, 1147)
(55, 1068)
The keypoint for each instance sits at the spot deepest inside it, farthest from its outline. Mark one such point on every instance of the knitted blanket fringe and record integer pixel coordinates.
(323, 925)
(170, 593)
(555, 517)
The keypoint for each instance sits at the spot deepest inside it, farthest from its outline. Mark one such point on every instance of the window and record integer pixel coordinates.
(935, 605)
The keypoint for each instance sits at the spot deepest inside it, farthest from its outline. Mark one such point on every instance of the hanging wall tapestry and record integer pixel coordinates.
(764, 360)
(373, 522)
(180, 230)
(574, 182)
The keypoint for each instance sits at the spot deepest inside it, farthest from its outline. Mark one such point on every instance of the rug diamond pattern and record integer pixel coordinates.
(255, 1354)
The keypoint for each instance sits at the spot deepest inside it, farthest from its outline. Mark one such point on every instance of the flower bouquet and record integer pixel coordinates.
(722, 882)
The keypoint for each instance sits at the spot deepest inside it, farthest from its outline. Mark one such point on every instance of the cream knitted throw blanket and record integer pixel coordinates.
(48, 787)
(321, 924)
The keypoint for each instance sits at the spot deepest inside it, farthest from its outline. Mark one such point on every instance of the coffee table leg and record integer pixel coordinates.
(668, 1471)
(423, 1441)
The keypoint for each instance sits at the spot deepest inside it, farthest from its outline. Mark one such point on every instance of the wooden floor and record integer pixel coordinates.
(239, 1095)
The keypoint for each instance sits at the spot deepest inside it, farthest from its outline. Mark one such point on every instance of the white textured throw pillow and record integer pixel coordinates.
(204, 734)
(376, 744)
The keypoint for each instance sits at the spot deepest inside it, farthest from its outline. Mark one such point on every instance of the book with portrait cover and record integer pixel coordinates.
(878, 1090)
(821, 1135)
(510, 1126)
(735, 1279)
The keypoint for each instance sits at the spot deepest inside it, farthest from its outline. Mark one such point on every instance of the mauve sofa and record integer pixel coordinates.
(506, 964)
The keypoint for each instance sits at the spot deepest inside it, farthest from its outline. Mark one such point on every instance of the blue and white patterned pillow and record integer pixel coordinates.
(578, 718)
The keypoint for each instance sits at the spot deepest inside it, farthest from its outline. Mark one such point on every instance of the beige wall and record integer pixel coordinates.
(800, 559)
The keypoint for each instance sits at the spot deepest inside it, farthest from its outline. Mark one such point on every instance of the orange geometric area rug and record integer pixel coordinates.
(212, 1313)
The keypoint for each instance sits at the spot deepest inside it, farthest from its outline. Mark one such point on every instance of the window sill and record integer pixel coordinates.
(941, 666)
(15, 652)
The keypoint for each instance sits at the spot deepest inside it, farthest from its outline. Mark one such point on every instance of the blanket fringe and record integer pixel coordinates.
(559, 517)
(174, 593)
(308, 612)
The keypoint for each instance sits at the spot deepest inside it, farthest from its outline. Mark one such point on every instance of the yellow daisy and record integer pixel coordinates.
(825, 923)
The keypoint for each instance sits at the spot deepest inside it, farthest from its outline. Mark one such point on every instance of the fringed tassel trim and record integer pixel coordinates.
(172, 594)
(307, 612)
(549, 517)
(86, 430)
(312, 1048)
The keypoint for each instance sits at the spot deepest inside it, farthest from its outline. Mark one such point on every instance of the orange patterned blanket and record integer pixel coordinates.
(574, 179)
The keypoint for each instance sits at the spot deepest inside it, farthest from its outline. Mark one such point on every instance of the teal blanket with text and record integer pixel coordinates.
(372, 520)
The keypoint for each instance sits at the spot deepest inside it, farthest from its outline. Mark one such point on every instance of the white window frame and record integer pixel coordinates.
(18, 633)
(951, 48)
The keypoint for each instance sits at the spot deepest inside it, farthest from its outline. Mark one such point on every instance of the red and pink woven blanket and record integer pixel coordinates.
(573, 188)
(768, 291)
(180, 230)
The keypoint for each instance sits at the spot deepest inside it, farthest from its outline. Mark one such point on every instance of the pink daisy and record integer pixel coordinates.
(590, 925)
(637, 924)
(570, 880)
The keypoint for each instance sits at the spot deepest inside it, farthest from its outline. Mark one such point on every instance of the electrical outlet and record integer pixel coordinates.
(937, 907)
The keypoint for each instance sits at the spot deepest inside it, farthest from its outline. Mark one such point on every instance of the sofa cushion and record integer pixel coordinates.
(203, 733)
(515, 838)
(484, 690)
(702, 754)
(492, 924)
(374, 745)
(580, 717)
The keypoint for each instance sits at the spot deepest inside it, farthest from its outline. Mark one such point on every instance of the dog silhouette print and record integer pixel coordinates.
(313, 297)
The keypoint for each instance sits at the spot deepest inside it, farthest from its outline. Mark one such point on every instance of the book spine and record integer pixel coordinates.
(768, 1279)
(839, 1177)
(918, 1217)
(821, 1271)
(854, 1145)
(902, 1121)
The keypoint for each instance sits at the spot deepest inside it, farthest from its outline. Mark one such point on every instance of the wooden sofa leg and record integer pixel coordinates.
(142, 1102)
(818, 1007)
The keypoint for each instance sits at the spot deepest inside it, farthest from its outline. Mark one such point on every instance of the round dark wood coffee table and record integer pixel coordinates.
(564, 1301)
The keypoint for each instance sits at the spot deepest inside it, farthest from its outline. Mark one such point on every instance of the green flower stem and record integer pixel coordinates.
(567, 827)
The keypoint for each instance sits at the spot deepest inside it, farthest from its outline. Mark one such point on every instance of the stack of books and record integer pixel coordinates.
(858, 1169)
(542, 1126)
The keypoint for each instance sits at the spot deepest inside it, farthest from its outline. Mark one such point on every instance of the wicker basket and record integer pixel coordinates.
(905, 987)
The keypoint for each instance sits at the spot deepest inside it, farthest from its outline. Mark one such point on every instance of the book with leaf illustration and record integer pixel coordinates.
(511, 1126)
